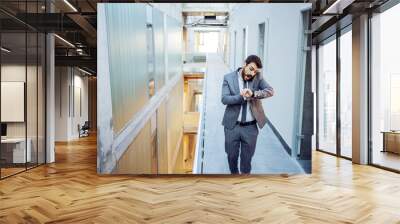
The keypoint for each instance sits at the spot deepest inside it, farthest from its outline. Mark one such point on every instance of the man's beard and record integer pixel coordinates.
(250, 77)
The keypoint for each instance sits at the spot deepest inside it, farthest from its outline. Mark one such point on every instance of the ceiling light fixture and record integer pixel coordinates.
(70, 5)
(64, 40)
(5, 50)
(86, 72)
(338, 6)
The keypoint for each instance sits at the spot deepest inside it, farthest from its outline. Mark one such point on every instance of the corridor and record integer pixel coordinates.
(270, 156)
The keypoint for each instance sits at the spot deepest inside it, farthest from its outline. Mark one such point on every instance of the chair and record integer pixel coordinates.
(84, 130)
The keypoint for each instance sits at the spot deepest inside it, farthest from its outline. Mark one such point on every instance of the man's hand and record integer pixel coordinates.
(243, 92)
(247, 93)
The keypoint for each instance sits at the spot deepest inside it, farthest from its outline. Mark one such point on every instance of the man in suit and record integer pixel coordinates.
(242, 91)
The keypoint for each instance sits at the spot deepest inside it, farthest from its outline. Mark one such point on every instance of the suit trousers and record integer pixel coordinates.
(241, 140)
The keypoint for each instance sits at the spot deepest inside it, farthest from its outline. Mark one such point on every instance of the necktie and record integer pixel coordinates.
(244, 106)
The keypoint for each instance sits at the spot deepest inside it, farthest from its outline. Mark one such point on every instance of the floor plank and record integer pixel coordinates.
(70, 191)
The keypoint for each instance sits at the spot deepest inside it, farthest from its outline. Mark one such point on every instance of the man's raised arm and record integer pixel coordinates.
(265, 90)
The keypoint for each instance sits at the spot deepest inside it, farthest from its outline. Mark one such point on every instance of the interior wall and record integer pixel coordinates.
(92, 100)
(174, 123)
(15, 72)
(80, 94)
(137, 158)
(127, 89)
(33, 127)
(281, 47)
(129, 77)
(174, 47)
(62, 112)
(159, 45)
(162, 139)
(171, 10)
(71, 87)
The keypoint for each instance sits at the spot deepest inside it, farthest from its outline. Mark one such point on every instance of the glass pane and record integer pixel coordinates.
(13, 87)
(174, 47)
(31, 98)
(244, 47)
(158, 28)
(234, 51)
(346, 94)
(261, 39)
(41, 99)
(128, 73)
(385, 86)
(327, 96)
(209, 42)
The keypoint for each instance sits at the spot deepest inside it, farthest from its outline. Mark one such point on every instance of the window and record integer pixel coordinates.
(261, 39)
(346, 94)
(244, 45)
(150, 59)
(385, 89)
(234, 50)
(327, 96)
(394, 101)
(22, 77)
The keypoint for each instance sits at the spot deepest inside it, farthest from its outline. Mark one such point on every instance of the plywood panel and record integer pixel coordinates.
(174, 123)
(162, 139)
(137, 158)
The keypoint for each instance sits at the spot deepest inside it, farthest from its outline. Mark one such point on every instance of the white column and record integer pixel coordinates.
(50, 99)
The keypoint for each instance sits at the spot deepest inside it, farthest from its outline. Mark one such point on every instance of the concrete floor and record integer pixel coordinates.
(270, 156)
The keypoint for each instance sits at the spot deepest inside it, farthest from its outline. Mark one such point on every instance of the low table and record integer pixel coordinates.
(391, 141)
(13, 150)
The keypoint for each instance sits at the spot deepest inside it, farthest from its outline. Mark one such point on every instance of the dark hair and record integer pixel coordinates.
(255, 59)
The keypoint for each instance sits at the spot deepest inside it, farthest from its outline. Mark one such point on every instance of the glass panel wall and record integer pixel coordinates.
(41, 87)
(22, 91)
(385, 89)
(346, 93)
(327, 95)
(261, 40)
(244, 46)
(13, 92)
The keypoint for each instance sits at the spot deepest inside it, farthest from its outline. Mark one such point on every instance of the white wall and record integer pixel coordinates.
(67, 79)
(173, 10)
(282, 33)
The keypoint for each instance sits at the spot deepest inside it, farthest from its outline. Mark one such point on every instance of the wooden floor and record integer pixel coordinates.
(70, 191)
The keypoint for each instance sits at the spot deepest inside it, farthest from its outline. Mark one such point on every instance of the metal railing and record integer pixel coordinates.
(199, 152)
(195, 58)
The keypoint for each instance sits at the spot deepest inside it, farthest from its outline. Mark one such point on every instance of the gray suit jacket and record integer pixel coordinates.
(233, 100)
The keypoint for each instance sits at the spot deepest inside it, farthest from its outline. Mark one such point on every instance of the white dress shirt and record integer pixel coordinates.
(249, 114)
